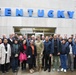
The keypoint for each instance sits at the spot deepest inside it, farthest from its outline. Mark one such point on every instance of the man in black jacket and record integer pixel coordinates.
(56, 47)
(47, 54)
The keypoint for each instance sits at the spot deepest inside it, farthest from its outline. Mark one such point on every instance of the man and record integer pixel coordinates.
(71, 55)
(3, 37)
(33, 38)
(47, 54)
(50, 38)
(56, 46)
(40, 47)
(74, 52)
(72, 36)
(10, 40)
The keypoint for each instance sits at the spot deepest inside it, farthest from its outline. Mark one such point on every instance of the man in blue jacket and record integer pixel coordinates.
(47, 54)
(63, 55)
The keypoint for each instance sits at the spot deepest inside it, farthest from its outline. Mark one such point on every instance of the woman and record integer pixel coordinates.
(31, 54)
(23, 49)
(15, 54)
(5, 54)
(40, 47)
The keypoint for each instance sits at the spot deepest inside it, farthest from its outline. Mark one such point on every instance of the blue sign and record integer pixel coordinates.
(40, 13)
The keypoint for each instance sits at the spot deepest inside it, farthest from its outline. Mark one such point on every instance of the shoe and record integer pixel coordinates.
(48, 70)
(31, 71)
(45, 69)
(58, 70)
(65, 70)
(72, 70)
(61, 69)
(14, 71)
(42, 67)
(53, 69)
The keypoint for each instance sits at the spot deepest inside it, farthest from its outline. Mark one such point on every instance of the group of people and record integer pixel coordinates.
(38, 52)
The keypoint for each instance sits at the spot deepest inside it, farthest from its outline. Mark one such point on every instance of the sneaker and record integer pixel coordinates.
(61, 69)
(53, 69)
(65, 70)
(31, 71)
(58, 70)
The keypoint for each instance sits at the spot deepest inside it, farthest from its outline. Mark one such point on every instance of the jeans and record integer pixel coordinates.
(63, 59)
(14, 64)
(75, 62)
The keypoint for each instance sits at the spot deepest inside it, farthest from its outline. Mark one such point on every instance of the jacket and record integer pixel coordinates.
(3, 53)
(58, 46)
(15, 50)
(29, 53)
(74, 49)
(64, 49)
(47, 48)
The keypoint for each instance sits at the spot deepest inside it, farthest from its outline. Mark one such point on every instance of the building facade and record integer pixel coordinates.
(27, 24)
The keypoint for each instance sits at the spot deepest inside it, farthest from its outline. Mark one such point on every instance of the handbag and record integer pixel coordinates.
(22, 57)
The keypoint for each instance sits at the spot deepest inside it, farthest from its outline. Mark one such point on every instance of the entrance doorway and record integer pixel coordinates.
(28, 31)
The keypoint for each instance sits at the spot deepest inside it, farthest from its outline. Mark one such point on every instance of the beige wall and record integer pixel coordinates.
(64, 26)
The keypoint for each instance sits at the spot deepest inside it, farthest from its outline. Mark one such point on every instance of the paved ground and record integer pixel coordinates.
(40, 73)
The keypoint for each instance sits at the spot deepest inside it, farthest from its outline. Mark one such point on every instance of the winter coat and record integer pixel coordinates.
(29, 53)
(64, 49)
(48, 48)
(15, 50)
(74, 49)
(58, 45)
(3, 53)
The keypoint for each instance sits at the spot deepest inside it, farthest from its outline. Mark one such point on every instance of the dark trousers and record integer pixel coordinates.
(30, 66)
(23, 65)
(47, 62)
(4, 67)
(34, 61)
(14, 63)
(75, 62)
(43, 61)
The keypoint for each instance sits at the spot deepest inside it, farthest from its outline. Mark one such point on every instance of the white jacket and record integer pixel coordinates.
(3, 53)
